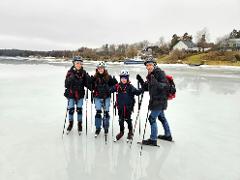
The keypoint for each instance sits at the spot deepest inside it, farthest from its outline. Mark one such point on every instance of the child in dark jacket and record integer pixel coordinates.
(125, 101)
(102, 82)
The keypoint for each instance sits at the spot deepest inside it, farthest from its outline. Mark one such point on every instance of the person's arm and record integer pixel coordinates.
(113, 88)
(87, 81)
(136, 91)
(69, 79)
(112, 81)
(144, 85)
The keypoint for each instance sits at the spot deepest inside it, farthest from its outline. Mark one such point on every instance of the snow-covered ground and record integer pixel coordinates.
(204, 120)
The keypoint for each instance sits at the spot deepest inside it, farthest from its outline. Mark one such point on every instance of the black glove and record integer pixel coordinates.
(140, 79)
(142, 90)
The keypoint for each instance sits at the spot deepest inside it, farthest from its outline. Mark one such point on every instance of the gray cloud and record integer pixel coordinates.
(69, 24)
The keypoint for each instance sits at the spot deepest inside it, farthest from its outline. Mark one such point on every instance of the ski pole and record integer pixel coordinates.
(137, 117)
(139, 109)
(86, 107)
(65, 119)
(91, 109)
(145, 126)
(113, 111)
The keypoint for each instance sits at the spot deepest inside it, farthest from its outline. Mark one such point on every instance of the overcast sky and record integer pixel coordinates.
(70, 24)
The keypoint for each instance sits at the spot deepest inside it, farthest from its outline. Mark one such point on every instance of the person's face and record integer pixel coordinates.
(150, 67)
(78, 65)
(101, 70)
(124, 80)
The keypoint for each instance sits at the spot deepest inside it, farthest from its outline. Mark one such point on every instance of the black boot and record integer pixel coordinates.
(70, 126)
(149, 142)
(119, 135)
(106, 131)
(79, 126)
(164, 137)
(97, 132)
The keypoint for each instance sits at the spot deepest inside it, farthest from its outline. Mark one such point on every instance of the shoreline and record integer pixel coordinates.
(25, 60)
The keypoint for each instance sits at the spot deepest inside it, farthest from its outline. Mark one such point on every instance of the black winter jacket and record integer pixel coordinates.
(101, 85)
(75, 82)
(125, 95)
(157, 86)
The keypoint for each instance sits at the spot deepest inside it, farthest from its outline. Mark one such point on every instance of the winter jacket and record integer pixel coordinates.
(101, 85)
(158, 87)
(125, 95)
(75, 82)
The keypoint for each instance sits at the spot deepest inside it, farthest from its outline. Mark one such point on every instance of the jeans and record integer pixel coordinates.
(71, 108)
(154, 129)
(99, 105)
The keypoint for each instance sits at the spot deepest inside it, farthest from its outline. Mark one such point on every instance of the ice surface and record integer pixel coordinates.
(204, 119)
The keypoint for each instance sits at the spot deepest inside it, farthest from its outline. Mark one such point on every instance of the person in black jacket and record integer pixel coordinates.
(158, 87)
(102, 82)
(76, 80)
(125, 102)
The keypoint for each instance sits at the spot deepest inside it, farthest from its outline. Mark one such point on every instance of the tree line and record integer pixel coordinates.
(121, 51)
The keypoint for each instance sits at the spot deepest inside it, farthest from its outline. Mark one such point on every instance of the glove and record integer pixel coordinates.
(140, 79)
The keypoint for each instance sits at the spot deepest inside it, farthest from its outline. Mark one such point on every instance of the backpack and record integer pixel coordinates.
(172, 88)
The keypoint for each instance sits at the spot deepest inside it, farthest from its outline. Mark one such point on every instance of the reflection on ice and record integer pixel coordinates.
(204, 119)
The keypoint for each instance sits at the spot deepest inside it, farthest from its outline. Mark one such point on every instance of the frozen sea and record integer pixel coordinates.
(204, 119)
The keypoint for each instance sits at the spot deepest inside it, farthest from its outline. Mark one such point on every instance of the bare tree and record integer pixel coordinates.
(202, 37)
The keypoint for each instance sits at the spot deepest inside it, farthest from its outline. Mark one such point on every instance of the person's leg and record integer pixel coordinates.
(98, 116)
(167, 133)
(130, 127)
(152, 120)
(106, 115)
(121, 124)
(79, 109)
(79, 113)
(71, 103)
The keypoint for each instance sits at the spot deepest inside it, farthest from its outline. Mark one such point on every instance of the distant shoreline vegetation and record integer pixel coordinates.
(180, 50)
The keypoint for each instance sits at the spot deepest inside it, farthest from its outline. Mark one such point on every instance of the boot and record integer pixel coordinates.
(70, 126)
(130, 135)
(119, 135)
(164, 137)
(149, 142)
(79, 126)
(106, 131)
(97, 132)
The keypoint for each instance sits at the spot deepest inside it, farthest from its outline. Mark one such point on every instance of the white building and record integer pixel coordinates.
(185, 45)
(234, 43)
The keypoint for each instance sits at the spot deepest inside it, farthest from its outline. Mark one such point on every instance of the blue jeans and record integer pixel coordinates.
(154, 129)
(99, 105)
(71, 109)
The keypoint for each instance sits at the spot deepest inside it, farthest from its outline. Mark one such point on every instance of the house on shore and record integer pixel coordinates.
(186, 46)
(234, 44)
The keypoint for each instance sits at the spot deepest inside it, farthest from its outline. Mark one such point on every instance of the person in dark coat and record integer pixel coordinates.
(76, 80)
(125, 103)
(158, 87)
(101, 84)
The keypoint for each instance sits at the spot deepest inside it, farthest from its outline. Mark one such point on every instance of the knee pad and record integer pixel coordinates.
(106, 114)
(128, 120)
(151, 120)
(79, 110)
(98, 114)
(71, 111)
